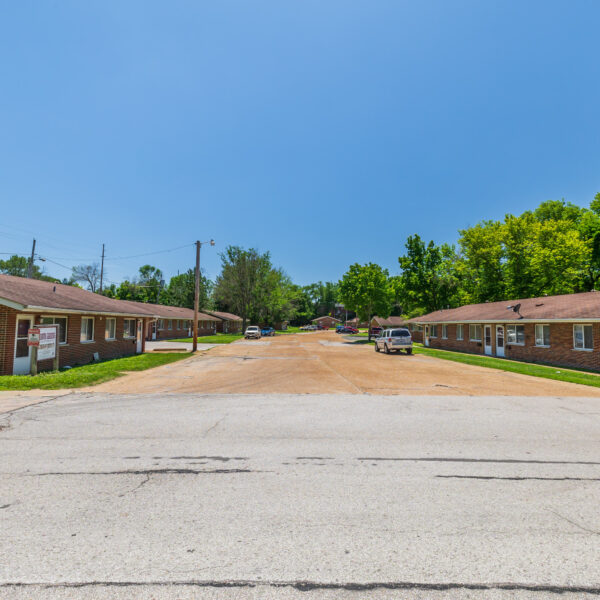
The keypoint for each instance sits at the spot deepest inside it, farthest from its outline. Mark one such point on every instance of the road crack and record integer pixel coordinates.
(593, 531)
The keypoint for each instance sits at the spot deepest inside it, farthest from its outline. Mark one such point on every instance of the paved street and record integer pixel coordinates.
(324, 362)
(300, 496)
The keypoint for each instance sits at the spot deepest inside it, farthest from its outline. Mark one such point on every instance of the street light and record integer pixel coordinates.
(197, 293)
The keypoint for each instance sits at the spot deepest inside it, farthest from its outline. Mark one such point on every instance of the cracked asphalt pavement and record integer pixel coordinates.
(300, 496)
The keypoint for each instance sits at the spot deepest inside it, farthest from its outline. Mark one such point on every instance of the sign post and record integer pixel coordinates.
(43, 341)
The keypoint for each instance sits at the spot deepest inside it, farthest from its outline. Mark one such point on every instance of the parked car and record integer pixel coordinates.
(252, 332)
(346, 329)
(269, 331)
(394, 340)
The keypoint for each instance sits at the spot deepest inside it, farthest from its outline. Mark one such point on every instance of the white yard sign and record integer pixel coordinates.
(48, 342)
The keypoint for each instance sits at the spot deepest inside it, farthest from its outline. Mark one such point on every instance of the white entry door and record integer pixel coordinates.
(487, 335)
(138, 340)
(153, 330)
(499, 340)
(22, 362)
(426, 335)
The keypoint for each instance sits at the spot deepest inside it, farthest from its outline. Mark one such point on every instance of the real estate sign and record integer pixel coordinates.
(47, 341)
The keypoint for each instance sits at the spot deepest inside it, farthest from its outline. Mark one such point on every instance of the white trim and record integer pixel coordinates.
(66, 329)
(584, 348)
(130, 337)
(110, 339)
(93, 331)
(481, 333)
(12, 304)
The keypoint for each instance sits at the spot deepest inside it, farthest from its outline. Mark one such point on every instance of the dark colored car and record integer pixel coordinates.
(346, 329)
(375, 331)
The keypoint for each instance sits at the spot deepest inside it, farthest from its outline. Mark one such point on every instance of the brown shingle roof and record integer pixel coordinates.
(225, 316)
(567, 307)
(326, 317)
(390, 321)
(165, 311)
(32, 293)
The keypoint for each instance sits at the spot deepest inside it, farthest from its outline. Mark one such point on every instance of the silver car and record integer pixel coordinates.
(252, 332)
(394, 340)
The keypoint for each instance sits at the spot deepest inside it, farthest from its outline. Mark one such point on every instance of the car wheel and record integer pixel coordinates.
(409, 351)
(386, 349)
(376, 347)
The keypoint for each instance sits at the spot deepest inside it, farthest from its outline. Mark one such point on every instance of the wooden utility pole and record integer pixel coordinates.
(102, 269)
(30, 265)
(196, 298)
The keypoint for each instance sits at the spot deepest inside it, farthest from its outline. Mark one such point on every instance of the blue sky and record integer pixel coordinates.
(324, 132)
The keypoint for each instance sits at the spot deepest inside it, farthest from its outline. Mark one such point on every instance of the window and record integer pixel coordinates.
(542, 335)
(110, 331)
(459, 332)
(433, 331)
(583, 338)
(62, 327)
(87, 329)
(445, 332)
(475, 333)
(515, 334)
(399, 333)
(129, 328)
(170, 324)
(161, 323)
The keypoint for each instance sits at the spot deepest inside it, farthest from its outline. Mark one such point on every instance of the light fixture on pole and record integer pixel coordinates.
(197, 293)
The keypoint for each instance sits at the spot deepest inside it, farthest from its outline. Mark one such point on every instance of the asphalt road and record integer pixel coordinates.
(300, 496)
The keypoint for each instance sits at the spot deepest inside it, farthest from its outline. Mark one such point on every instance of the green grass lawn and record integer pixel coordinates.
(557, 373)
(88, 374)
(219, 338)
(288, 330)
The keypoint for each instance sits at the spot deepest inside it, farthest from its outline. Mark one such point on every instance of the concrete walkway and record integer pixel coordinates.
(165, 345)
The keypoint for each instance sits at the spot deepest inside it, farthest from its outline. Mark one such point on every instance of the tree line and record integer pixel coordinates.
(249, 285)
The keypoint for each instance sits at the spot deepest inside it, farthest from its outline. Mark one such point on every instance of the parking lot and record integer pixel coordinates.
(324, 362)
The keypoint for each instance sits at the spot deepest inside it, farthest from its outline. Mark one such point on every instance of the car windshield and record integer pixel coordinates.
(400, 333)
(253, 328)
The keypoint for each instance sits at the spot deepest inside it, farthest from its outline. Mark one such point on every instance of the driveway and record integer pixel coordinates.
(182, 496)
(316, 363)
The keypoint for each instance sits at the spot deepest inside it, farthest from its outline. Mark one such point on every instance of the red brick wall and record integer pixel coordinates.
(560, 352)
(229, 326)
(75, 352)
(8, 329)
(326, 322)
(204, 328)
(453, 344)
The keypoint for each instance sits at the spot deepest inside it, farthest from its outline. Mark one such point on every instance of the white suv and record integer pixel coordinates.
(394, 340)
(252, 332)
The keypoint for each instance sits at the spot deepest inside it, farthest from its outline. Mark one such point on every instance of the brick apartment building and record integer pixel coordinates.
(91, 326)
(558, 330)
(326, 321)
(226, 322)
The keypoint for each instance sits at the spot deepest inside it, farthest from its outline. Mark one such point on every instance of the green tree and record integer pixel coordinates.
(182, 289)
(243, 283)
(18, 267)
(428, 280)
(479, 269)
(367, 290)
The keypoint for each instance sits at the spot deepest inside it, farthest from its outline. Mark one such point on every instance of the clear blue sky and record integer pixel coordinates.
(325, 132)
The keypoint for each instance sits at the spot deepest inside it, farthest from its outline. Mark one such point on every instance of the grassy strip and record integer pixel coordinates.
(288, 330)
(557, 373)
(88, 374)
(220, 338)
